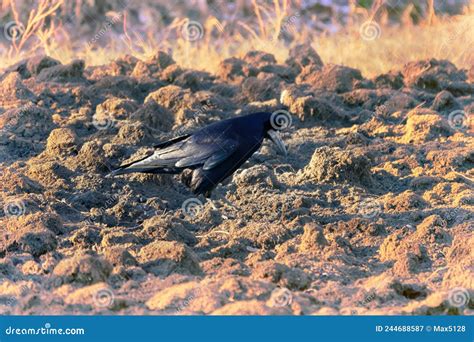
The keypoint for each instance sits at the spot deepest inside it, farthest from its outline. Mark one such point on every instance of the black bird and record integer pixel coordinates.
(214, 152)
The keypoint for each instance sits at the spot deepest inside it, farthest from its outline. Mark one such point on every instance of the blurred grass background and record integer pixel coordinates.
(374, 36)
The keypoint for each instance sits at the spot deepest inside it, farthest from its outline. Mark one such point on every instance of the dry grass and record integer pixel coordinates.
(449, 38)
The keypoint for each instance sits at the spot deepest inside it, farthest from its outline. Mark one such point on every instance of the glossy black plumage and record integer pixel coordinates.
(213, 152)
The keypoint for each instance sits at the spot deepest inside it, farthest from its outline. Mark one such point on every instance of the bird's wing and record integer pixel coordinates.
(208, 151)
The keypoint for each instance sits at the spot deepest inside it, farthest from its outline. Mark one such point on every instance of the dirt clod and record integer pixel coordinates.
(165, 257)
(335, 165)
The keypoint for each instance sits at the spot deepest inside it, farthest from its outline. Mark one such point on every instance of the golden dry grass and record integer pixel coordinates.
(449, 38)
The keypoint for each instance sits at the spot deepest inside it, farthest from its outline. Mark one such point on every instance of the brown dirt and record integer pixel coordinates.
(370, 213)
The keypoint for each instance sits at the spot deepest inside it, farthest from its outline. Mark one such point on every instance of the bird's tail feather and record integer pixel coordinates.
(138, 166)
(124, 170)
(127, 168)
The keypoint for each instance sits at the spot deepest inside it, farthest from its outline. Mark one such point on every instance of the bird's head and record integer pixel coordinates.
(273, 123)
